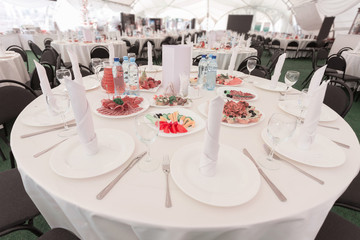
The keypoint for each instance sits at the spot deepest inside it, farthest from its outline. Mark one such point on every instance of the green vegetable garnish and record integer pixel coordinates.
(172, 99)
(118, 101)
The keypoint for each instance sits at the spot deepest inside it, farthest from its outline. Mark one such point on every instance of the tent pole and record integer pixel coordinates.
(208, 15)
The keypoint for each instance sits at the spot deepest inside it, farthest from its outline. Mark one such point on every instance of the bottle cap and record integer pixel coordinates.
(116, 60)
(125, 58)
(203, 56)
(213, 57)
(132, 59)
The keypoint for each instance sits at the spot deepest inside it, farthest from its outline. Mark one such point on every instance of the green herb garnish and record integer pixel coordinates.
(118, 101)
(172, 99)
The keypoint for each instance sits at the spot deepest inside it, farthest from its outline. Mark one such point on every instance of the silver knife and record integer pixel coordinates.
(107, 189)
(296, 167)
(46, 130)
(49, 148)
(269, 182)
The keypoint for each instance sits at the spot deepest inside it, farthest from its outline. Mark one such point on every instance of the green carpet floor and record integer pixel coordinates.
(301, 65)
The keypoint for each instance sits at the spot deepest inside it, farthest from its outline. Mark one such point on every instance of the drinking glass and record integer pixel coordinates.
(280, 128)
(62, 74)
(303, 103)
(130, 55)
(96, 65)
(59, 104)
(250, 65)
(291, 77)
(147, 132)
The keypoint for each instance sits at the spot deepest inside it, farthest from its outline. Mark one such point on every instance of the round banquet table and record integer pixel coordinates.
(12, 67)
(134, 208)
(82, 50)
(157, 40)
(223, 56)
(352, 63)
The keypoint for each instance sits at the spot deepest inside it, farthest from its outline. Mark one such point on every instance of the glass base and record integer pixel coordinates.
(268, 163)
(67, 132)
(148, 165)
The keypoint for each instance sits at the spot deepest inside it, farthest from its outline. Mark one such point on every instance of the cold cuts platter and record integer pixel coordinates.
(237, 94)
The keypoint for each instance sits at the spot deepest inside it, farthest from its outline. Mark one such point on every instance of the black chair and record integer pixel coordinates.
(267, 43)
(292, 46)
(244, 62)
(141, 61)
(259, 49)
(309, 49)
(127, 42)
(196, 60)
(270, 66)
(351, 197)
(47, 42)
(16, 207)
(35, 80)
(318, 60)
(20, 51)
(13, 99)
(35, 49)
(58, 234)
(258, 71)
(49, 55)
(275, 45)
(135, 48)
(337, 228)
(343, 50)
(99, 52)
(339, 97)
(144, 49)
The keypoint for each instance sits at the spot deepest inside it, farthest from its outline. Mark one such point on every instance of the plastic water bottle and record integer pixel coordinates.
(202, 70)
(133, 78)
(118, 76)
(125, 66)
(211, 74)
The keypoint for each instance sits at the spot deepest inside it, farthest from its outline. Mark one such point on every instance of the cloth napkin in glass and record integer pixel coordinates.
(277, 72)
(210, 150)
(233, 60)
(111, 53)
(149, 53)
(81, 108)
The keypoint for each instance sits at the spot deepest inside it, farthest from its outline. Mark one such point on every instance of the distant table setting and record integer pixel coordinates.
(198, 165)
(12, 67)
(352, 62)
(157, 40)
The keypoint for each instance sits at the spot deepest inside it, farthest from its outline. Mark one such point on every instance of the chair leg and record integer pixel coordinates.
(12, 160)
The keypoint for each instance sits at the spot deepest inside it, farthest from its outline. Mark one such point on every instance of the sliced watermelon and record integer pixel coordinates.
(181, 129)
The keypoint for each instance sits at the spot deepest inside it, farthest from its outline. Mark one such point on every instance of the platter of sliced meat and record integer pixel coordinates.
(237, 94)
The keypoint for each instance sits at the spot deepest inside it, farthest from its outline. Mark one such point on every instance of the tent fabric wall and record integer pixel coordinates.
(308, 17)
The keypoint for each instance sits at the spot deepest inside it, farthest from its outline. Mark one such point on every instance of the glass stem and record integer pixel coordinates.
(148, 156)
(271, 154)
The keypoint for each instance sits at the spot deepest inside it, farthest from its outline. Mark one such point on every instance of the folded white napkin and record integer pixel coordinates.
(232, 60)
(111, 53)
(45, 86)
(83, 117)
(277, 71)
(195, 39)
(248, 43)
(308, 129)
(357, 48)
(75, 66)
(182, 39)
(149, 53)
(316, 79)
(210, 151)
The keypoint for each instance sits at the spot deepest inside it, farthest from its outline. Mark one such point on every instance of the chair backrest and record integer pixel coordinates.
(259, 49)
(259, 71)
(128, 44)
(244, 62)
(311, 44)
(141, 61)
(35, 49)
(321, 54)
(99, 52)
(196, 60)
(339, 97)
(144, 47)
(47, 42)
(336, 62)
(20, 51)
(273, 60)
(343, 50)
(49, 55)
(267, 41)
(275, 42)
(14, 97)
(35, 80)
(293, 44)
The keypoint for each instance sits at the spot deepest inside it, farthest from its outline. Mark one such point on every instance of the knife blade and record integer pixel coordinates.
(107, 189)
(46, 130)
(269, 182)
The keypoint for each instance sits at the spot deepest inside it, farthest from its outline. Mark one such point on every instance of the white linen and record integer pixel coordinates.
(233, 60)
(311, 120)
(13, 68)
(149, 53)
(277, 71)
(75, 67)
(87, 34)
(316, 79)
(182, 39)
(248, 43)
(2, 50)
(111, 53)
(209, 157)
(134, 209)
(352, 63)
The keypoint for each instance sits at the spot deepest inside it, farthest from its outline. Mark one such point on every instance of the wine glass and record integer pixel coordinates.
(280, 128)
(250, 65)
(96, 65)
(147, 131)
(303, 103)
(59, 104)
(291, 77)
(62, 74)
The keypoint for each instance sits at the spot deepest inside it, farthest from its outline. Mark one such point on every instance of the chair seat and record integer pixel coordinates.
(351, 197)
(58, 234)
(16, 206)
(346, 77)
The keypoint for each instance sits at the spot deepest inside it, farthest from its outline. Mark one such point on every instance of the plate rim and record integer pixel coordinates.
(256, 84)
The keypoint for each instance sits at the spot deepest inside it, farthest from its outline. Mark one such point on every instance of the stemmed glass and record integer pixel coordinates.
(291, 77)
(96, 64)
(59, 104)
(250, 65)
(303, 103)
(147, 132)
(62, 74)
(280, 128)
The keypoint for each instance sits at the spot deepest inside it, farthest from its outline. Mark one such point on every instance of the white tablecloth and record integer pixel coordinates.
(223, 56)
(157, 41)
(134, 209)
(12, 67)
(352, 63)
(82, 50)
(37, 38)
(10, 39)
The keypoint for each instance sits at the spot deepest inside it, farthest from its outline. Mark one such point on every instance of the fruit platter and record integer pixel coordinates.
(148, 84)
(226, 80)
(236, 114)
(121, 107)
(176, 122)
(170, 101)
(237, 94)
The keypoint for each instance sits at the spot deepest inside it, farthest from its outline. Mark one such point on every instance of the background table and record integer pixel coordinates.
(37, 38)
(82, 50)
(10, 39)
(12, 67)
(157, 41)
(352, 63)
(134, 209)
(223, 56)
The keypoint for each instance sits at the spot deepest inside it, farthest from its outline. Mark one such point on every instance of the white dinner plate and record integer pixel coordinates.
(199, 122)
(152, 104)
(236, 181)
(154, 68)
(90, 82)
(39, 116)
(220, 92)
(292, 107)
(204, 107)
(70, 160)
(265, 85)
(144, 105)
(322, 153)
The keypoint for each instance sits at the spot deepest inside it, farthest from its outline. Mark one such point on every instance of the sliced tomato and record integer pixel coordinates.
(167, 129)
(173, 128)
(181, 129)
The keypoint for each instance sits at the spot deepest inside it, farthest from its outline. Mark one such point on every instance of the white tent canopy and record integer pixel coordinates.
(282, 15)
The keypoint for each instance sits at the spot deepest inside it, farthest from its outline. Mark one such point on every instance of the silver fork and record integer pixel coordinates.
(166, 170)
